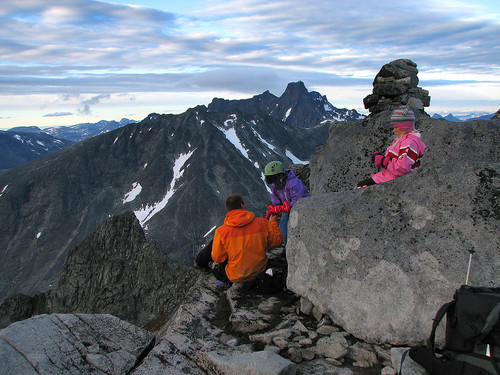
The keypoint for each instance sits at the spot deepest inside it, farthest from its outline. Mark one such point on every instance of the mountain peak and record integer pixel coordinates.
(296, 86)
(296, 107)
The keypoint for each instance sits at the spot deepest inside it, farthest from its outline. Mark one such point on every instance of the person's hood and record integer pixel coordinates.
(289, 174)
(239, 218)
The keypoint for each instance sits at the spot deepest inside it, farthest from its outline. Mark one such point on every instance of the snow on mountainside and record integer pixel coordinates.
(18, 147)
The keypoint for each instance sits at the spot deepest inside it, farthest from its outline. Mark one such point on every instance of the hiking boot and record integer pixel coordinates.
(222, 286)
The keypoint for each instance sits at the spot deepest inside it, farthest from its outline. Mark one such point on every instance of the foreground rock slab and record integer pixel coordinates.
(199, 339)
(72, 344)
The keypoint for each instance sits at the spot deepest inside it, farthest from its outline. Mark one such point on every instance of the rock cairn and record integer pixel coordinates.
(397, 83)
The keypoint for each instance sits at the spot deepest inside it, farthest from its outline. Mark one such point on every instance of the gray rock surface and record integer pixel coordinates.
(198, 337)
(381, 260)
(204, 336)
(72, 344)
(116, 270)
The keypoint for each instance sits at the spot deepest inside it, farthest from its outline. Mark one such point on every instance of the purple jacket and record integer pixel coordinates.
(291, 190)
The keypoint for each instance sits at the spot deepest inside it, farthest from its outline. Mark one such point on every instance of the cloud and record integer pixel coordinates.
(77, 48)
(58, 114)
(84, 107)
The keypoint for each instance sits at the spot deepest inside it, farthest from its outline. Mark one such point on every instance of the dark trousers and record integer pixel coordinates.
(203, 260)
(367, 182)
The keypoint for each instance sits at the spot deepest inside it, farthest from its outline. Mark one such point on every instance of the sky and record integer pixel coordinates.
(65, 62)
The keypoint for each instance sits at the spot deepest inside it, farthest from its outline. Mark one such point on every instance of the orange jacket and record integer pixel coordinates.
(243, 240)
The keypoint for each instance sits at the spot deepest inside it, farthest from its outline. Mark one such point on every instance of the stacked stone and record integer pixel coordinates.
(397, 83)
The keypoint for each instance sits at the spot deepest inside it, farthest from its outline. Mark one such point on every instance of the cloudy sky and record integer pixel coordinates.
(65, 62)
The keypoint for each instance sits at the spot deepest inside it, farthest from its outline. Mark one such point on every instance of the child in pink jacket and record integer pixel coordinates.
(403, 156)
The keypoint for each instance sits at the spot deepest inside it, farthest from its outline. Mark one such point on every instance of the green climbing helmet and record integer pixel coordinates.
(274, 167)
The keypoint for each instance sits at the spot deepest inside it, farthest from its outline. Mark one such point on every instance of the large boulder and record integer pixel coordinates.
(381, 260)
(72, 344)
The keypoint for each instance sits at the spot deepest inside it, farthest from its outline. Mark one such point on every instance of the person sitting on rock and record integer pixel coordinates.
(404, 155)
(287, 189)
(239, 245)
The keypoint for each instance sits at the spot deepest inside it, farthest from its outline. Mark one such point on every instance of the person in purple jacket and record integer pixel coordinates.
(287, 189)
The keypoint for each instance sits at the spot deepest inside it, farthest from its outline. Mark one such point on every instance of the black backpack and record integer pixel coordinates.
(472, 341)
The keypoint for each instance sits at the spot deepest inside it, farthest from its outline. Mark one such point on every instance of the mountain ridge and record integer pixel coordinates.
(289, 107)
(160, 168)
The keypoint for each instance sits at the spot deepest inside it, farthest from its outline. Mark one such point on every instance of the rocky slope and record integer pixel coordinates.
(245, 329)
(117, 271)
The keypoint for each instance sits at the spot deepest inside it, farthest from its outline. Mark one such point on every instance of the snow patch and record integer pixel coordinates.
(287, 113)
(210, 231)
(230, 120)
(115, 140)
(294, 159)
(262, 140)
(145, 214)
(132, 194)
(38, 235)
(40, 143)
(3, 190)
(145, 165)
(233, 138)
(19, 138)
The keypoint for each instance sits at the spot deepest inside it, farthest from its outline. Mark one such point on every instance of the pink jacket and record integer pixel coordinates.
(405, 154)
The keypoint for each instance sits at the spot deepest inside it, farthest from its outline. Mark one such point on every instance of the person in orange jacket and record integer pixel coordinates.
(239, 245)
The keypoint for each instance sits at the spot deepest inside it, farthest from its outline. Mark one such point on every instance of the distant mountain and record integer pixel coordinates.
(467, 117)
(451, 118)
(296, 107)
(32, 142)
(476, 116)
(25, 129)
(173, 171)
(24, 144)
(80, 132)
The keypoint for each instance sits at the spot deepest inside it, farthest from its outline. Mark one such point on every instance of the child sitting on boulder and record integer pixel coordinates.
(403, 156)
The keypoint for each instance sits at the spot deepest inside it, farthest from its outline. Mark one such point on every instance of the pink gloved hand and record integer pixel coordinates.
(381, 161)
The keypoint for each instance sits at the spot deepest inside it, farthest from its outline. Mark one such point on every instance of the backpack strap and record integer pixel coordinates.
(491, 320)
(437, 319)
